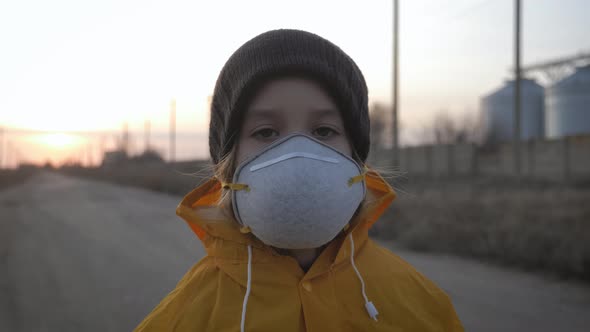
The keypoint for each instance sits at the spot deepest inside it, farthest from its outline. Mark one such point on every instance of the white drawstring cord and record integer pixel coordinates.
(371, 310)
(247, 288)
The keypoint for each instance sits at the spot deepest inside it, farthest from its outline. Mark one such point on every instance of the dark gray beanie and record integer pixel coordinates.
(281, 53)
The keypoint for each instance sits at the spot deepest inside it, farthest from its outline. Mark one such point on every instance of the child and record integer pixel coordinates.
(285, 220)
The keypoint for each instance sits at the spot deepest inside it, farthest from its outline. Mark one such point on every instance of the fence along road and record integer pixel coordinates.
(78, 255)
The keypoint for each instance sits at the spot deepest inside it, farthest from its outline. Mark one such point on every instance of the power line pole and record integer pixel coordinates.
(172, 130)
(89, 155)
(12, 158)
(395, 92)
(125, 139)
(517, 105)
(17, 158)
(147, 127)
(102, 148)
(1, 147)
(8, 153)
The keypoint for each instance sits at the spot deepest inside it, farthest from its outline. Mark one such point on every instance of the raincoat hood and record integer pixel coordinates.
(243, 284)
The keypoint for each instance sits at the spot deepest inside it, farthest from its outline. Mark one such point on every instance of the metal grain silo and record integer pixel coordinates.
(568, 105)
(498, 111)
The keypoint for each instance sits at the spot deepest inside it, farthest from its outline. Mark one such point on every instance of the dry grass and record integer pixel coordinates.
(177, 179)
(531, 225)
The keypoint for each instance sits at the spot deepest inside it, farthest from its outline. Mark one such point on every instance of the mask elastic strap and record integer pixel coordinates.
(358, 178)
(235, 186)
(369, 306)
(248, 287)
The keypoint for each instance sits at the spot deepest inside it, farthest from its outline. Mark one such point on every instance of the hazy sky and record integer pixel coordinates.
(90, 66)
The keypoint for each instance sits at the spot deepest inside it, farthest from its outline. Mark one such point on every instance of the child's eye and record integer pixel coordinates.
(324, 132)
(265, 133)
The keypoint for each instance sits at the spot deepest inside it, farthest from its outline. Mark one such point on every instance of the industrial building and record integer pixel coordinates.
(498, 111)
(562, 109)
(567, 105)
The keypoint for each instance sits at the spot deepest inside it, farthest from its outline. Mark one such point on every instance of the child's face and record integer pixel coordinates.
(287, 105)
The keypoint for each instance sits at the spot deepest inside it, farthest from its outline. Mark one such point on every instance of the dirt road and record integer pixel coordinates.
(78, 255)
(87, 256)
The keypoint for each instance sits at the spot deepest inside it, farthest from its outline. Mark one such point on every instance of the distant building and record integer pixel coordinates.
(568, 105)
(148, 156)
(497, 110)
(112, 158)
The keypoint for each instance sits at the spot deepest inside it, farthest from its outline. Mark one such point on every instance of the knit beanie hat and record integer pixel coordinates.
(283, 53)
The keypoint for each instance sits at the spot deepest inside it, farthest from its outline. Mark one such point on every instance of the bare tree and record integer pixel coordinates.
(444, 129)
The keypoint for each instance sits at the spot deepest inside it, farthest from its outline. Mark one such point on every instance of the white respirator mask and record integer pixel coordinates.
(297, 193)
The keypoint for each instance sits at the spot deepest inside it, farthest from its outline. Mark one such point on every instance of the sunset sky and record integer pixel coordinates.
(87, 67)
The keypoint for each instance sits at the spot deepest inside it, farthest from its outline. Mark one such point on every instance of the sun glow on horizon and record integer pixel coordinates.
(59, 140)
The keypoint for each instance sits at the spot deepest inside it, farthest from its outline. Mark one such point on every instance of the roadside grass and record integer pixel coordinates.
(537, 226)
(176, 179)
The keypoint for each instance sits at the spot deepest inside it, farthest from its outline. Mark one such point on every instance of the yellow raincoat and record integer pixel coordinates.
(328, 297)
